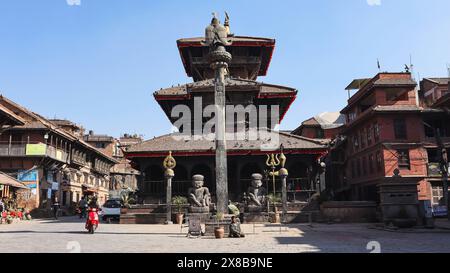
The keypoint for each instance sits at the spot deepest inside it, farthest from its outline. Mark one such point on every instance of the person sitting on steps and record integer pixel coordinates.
(235, 228)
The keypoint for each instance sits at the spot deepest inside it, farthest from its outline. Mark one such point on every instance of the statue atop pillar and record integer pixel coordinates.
(199, 196)
(216, 34)
(256, 192)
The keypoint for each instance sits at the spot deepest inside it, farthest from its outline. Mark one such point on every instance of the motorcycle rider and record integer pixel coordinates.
(93, 204)
(82, 205)
(94, 208)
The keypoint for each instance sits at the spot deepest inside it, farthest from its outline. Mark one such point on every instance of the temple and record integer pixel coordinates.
(251, 57)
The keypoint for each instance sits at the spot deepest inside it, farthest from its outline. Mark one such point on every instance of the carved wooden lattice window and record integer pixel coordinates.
(403, 159)
(379, 161)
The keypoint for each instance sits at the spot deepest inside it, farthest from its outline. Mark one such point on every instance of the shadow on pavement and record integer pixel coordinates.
(85, 232)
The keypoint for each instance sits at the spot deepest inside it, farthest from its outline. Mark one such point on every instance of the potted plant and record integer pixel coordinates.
(274, 199)
(126, 203)
(219, 231)
(179, 202)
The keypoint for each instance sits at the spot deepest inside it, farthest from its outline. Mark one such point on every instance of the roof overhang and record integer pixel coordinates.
(9, 117)
(266, 44)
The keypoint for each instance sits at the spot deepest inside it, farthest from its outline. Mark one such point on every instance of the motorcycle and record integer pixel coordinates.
(92, 220)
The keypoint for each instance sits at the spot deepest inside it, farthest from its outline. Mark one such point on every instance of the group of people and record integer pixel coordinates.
(83, 206)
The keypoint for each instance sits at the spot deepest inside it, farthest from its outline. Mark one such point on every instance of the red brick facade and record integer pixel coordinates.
(385, 131)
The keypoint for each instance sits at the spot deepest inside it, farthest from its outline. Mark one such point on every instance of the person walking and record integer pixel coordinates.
(56, 206)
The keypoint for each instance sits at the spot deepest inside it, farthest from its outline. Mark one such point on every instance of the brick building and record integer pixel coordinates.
(123, 176)
(323, 126)
(388, 127)
(51, 158)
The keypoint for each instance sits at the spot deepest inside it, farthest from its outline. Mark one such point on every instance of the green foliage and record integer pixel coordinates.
(179, 202)
(219, 216)
(274, 198)
(127, 201)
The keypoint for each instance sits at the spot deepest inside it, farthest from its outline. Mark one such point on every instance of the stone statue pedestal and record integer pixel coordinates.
(256, 217)
(203, 217)
(254, 209)
(198, 209)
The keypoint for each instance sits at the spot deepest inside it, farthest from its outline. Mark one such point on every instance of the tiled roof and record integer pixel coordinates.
(36, 121)
(326, 120)
(442, 101)
(15, 119)
(397, 82)
(124, 167)
(330, 120)
(234, 39)
(98, 138)
(230, 82)
(10, 181)
(390, 108)
(169, 142)
(440, 81)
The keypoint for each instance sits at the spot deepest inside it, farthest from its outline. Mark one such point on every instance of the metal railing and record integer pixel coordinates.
(298, 189)
(158, 188)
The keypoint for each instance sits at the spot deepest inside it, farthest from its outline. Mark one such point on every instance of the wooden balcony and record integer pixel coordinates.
(12, 149)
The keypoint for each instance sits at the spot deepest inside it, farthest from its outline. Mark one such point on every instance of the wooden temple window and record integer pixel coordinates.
(369, 136)
(403, 159)
(371, 162)
(379, 161)
(400, 129)
(376, 132)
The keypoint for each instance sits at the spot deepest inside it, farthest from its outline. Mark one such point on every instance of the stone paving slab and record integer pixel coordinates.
(68, 234)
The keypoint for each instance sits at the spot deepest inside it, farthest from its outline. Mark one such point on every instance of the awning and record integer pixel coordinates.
(357, 84)
(10, 181)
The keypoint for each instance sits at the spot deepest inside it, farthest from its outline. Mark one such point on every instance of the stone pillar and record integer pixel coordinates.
(169, 164)
(169, 175)
(219, 59)
(283, 176)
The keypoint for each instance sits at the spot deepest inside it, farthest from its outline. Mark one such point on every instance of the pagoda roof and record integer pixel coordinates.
(232, 84)
(191, 62)
(160, 146)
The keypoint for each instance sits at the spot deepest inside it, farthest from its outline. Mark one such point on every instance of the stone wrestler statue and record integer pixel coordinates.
(198, 195)
(256, 192)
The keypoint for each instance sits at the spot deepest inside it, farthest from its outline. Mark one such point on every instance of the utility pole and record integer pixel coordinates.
(216, 38)
(444, 170)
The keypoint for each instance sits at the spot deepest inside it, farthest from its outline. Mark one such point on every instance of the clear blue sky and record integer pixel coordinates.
(98, 63)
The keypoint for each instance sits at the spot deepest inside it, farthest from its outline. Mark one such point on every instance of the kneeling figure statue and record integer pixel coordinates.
(256, 192)
(199, 196)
